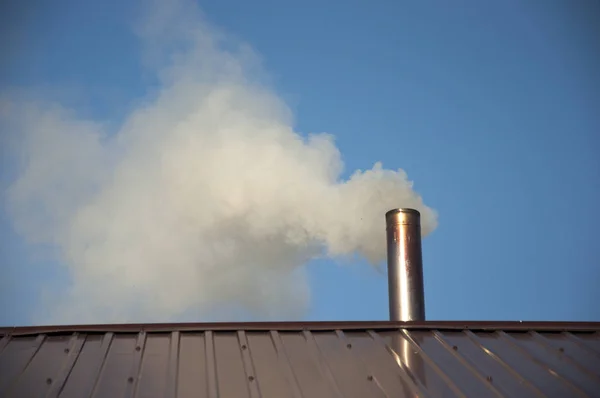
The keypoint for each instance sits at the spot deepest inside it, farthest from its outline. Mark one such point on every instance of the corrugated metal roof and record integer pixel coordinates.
(302, 360)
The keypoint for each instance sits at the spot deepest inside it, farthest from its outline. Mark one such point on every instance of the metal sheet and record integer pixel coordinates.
(343, 362)
(314, 326)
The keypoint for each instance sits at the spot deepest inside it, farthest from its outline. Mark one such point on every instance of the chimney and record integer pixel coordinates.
(405, 265)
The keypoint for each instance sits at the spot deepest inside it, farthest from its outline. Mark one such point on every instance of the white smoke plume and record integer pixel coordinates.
(204, 199)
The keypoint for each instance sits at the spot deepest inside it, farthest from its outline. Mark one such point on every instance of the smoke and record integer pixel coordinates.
(204, 200)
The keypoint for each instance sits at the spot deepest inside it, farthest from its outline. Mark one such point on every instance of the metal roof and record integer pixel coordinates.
(350, 359)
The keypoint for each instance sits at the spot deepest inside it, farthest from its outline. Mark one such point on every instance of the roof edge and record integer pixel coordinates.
(313, 326)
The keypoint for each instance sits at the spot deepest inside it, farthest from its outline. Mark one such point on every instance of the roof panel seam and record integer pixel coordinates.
(541, 363)
(486, 381)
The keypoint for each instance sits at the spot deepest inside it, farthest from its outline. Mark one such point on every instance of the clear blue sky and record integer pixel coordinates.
(492, 109)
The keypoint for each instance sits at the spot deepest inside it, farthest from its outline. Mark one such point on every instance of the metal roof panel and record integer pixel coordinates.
(289, 362)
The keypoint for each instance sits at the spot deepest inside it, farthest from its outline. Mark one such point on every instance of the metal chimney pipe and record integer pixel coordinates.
(405, 265)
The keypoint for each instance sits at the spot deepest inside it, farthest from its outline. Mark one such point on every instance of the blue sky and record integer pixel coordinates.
(493, 110)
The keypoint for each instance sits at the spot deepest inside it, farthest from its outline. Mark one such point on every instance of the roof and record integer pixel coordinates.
(334, 359)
